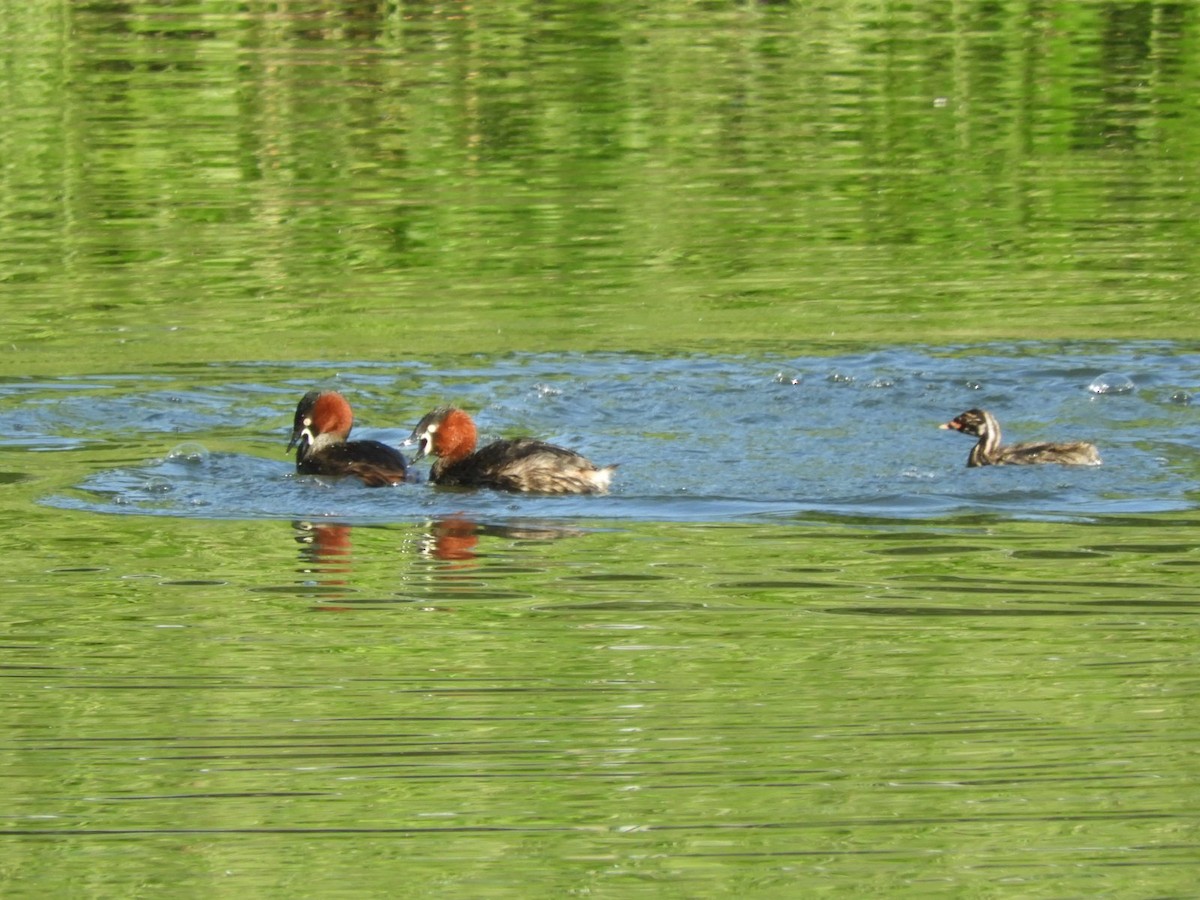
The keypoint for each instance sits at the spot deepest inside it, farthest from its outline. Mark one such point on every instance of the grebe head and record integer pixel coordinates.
(974, 422)
(322, 418)
(447, 432)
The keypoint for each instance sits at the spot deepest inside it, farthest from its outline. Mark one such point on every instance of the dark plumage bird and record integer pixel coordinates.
(323, 422)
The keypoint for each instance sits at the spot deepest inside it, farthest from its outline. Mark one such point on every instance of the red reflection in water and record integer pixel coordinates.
(326, 557)
(447, 553)
(453, 539)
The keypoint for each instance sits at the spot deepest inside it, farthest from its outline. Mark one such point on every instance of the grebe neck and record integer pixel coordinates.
(987, 449)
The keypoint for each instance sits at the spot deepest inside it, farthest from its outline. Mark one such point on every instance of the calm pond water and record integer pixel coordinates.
(754, 253)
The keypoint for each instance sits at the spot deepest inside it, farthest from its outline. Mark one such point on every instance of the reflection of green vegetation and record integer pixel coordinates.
(901, 706)
(346, 180)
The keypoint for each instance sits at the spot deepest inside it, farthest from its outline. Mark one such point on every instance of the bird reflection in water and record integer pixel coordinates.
(456, 539)
(451, 540)
(449, 547)
(327, 553)
(326, 557)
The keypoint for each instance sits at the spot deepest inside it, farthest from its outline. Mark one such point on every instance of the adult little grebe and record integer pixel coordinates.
(988, 452)
(523, 464)
(322, 424)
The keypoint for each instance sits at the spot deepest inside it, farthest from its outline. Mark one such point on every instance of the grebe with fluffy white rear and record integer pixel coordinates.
(523, 464)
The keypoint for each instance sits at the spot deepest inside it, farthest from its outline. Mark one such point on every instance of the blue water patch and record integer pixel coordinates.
(697, 438)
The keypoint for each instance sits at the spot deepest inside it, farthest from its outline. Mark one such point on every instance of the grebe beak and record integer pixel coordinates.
(422, 444)
(303, 436)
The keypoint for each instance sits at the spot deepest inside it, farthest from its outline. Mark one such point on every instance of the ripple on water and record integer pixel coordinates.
(701, 438)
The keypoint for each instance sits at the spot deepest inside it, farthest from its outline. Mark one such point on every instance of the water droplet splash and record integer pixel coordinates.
(190, 452)
(1111, 383)
(156, 484)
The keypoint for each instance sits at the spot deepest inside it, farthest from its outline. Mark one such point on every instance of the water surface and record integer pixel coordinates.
(800, 635)
(752, 252)
(697, 438)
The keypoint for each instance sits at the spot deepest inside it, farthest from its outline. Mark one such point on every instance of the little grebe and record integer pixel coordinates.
(988, 452)
(523, 464)
(323, 422)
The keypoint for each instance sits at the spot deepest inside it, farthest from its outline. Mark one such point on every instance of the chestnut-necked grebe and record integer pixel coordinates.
(523, 464)
(322, 424)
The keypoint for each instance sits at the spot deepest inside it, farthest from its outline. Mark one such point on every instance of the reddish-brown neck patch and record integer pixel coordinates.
(331, 414)
(455, 436)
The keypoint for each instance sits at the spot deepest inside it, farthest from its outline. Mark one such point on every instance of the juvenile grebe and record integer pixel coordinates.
(319, 432)
(523, 464)
(988, 452)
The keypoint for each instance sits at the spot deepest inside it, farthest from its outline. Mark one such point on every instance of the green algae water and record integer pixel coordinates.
(754, 253)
